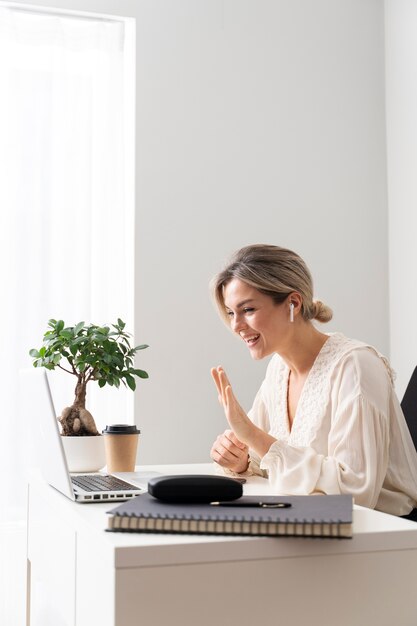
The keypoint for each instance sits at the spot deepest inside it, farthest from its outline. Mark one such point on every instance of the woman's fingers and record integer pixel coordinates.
(215, 376)
(229, 395)
(228, 445)
(239, 422)
(234, 440)
(221, 382)
(224, 381)
(222, 454)
(227, 453)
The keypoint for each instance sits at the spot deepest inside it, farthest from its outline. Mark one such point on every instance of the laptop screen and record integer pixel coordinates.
(50, 452)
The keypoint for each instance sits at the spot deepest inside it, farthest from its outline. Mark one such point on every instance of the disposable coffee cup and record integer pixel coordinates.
(121, 444)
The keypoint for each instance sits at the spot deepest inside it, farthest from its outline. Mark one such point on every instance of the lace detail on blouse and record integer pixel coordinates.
(314, 396)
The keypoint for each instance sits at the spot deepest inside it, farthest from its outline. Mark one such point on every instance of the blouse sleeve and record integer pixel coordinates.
(357, 444)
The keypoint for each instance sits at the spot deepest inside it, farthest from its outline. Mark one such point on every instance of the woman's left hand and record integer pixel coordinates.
(244, 429)
(239, 422)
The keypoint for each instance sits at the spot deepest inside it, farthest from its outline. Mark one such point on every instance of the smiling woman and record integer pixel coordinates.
(256, 317)
(275, 272)
(326, 418)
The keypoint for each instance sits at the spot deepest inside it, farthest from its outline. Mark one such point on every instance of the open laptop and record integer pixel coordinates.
(88, 488)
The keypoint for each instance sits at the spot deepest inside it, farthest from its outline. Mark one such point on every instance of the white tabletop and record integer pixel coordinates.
(372, 530)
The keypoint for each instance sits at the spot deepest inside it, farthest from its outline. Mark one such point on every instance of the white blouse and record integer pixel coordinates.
(348, 435)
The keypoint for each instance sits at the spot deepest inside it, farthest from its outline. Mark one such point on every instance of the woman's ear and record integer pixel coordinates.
(295, 303)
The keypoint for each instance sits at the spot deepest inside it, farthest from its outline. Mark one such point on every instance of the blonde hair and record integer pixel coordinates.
(274, 271)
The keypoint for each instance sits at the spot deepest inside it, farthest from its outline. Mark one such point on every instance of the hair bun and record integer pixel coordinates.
(321, 312)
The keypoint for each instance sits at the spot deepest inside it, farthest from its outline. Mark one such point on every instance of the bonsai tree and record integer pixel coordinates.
(90, 353)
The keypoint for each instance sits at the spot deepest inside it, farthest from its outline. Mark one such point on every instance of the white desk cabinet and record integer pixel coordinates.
(80, 575)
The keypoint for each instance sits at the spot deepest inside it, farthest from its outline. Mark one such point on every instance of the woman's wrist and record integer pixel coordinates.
(244, 465)
(260, 441)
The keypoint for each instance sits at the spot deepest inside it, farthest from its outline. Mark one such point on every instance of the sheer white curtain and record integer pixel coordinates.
(66, 219)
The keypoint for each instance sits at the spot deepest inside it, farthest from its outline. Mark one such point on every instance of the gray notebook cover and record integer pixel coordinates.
(313, 512)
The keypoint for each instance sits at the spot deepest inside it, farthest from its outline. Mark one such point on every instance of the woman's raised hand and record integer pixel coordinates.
(239, 422)
(231, 448)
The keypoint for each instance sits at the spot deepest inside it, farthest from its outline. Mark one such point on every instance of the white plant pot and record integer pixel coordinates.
(84, 454)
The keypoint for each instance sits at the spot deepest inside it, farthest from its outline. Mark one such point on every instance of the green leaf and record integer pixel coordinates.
(99, 337)
(97, 352)
(131, 382)
(142, 347)
(141, 373)
(78, 340)
(78, 327)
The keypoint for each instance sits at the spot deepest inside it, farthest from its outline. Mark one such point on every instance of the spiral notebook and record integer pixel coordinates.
(261, 516)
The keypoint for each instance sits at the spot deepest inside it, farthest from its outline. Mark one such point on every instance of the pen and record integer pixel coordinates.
(261, 505)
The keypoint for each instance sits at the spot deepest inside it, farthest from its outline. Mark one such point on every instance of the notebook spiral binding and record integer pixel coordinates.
(234, 525)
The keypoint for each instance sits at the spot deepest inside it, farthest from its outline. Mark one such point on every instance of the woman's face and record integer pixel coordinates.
(256, 318)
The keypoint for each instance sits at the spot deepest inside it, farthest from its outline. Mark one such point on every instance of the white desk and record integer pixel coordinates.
(79, 575)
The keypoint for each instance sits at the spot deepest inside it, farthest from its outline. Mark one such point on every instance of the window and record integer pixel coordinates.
(67, 210)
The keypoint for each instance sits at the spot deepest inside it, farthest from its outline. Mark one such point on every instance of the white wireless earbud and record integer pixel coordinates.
(291, 311)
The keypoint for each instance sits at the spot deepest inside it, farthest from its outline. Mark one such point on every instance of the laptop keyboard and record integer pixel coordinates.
(103, 482)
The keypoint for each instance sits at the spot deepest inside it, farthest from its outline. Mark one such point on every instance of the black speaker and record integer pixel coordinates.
(195, 488)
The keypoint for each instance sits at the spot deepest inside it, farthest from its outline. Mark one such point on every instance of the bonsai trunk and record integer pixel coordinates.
(75, 420)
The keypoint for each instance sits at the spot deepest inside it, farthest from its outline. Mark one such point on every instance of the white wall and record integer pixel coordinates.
(401, 99)
(258, 121)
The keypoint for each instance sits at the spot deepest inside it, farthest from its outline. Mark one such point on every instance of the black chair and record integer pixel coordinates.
(409, 407)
